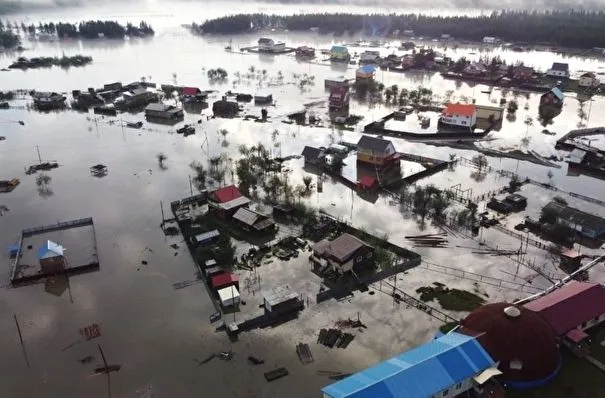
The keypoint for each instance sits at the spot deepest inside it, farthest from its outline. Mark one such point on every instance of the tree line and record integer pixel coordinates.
(86, 30)
(579, 29)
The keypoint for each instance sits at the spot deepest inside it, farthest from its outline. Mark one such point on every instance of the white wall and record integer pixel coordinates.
(459, 120)
(593, 322)
(456, 389)
(558, 73)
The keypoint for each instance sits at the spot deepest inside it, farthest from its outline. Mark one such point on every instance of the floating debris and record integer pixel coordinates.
(255, 361)
(304, 353)
(86, 359)
(107, 369)
(91, 331)
(276, 374)
(205, 361)
(334, 338)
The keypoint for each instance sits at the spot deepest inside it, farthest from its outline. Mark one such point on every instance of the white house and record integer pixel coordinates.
(268, 45)
(558, 69)
(490, 40)
(589, 79)
(463, 115)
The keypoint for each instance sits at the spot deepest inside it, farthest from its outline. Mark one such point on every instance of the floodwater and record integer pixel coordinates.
(155, 332)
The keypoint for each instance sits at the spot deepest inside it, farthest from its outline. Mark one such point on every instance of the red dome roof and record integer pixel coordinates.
(523, 343)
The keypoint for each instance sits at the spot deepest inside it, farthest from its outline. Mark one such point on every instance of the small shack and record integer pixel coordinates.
(517, 202)
(224, 108)
(229, 296)
(263, 98)
(225, 279)
(207, 237)
(228, 200)
(552, 98)
(314, 156)
(51, 257)
(253, 221)
(163, 112)
(339, 81)
(282, 300)
(571, 259)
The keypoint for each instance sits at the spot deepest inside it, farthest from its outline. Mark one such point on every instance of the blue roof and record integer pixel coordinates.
(367, 69)
(50, 249)
(557, 92)
(418, 373)
(207, 236)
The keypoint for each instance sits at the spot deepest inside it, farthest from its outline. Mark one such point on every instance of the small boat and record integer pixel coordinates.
(134, 125)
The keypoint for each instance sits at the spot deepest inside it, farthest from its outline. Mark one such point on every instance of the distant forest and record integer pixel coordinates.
(579, 29)
(9, 32)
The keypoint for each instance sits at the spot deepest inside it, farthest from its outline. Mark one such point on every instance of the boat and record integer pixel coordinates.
(134, 125)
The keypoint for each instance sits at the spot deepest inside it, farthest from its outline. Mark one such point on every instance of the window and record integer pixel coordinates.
(464, 122)
(359, 259)
(445, 392)
(370, 254)
(458, 386)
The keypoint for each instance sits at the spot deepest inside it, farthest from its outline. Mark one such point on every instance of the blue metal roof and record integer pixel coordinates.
(558, 93)
(50, 249)
(368, 69)
(418, 373)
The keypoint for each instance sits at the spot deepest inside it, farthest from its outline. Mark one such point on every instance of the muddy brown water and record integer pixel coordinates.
(153, 331)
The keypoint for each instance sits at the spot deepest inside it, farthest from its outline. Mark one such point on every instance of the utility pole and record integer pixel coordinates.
(39, 157)
(162, 209)
(190, 185)
(21, 340)
(106, 371)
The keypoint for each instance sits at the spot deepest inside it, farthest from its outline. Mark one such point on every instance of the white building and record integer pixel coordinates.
(589, 79)
(463, 115)
(558, 69)
(229, 296)
(490, 40)
(268, 45)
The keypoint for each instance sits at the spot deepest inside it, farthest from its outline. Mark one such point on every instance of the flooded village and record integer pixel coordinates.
(240, 214)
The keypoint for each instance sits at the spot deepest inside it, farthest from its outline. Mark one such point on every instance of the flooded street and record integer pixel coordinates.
(157, 333)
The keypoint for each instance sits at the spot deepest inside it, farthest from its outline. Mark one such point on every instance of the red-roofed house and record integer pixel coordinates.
(226, 194)
(463, 115)
(224, 280)
(191, 91)
(228, 200)
(572, 309)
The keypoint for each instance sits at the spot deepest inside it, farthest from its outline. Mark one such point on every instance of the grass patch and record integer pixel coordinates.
(451, 299)
(447, 327)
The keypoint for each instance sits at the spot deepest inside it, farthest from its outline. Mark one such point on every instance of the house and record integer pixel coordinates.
(263, 98)
(159, 111)
(229, 296)
(558, 69)
(475, 69)
(224, 108)
(51, 257)
(376, 151)
(552, 98)
(281, 300)
(365, 72)
(369, 57)
(117, 86)
(523, 73)
(339, 81)
(270, 46)
(407, 45)
(516, 201)
(499, 206)
(446, 37)
(585, 224)
(134, 98)
(313, 155)
(339, 99)
(305, 51)
(589, 80)
(224, 280)
(343, 254)
(339, 54)
(228, 200)
(193, 94)
(206, 238)
(490, 40)
(48, 100)
(572, 309)
(253, 221)
(461, 115)
(571, 259)
(408, 61)
(449, 366)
